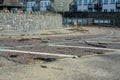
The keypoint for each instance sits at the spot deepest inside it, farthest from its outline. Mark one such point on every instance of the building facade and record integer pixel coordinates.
(40, 5)
(82, 5)
(98, 5)
(118, 6)
(45, 5)
(89, 5)
(111, 6)
(31, 5)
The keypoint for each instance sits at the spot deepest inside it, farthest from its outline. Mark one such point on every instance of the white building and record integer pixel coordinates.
(31, 5)
(45, 5)
(42, 5)
(89, 5)
(82, 5)
(98, 5)
(118, 6)
(111, 6)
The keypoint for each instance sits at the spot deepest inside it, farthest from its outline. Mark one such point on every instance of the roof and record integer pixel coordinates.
(10, 3)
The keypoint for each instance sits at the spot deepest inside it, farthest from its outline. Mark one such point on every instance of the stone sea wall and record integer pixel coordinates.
(29, 21)
(114, 17)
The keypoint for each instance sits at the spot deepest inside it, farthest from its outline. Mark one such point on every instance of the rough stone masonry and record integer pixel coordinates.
(29, 21)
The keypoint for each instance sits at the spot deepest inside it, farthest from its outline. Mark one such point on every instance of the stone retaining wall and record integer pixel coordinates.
(29, 21)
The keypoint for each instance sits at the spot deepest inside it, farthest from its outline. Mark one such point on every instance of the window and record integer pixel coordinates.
(105, 1)
(32, 4)
(112, 10)
(48, 3)
(80, 2)
(90, 1)
(118, 10)
(85, 1)
(118, 1)
(27, 4)
(112, 1)
(105, 10)
(45, 3)
(41, 4)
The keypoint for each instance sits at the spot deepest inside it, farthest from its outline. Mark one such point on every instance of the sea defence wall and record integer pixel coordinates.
(93, 18)
(29, 21)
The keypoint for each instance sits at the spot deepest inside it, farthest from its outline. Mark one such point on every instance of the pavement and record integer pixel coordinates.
(93, 67)
(88, 67)
(49, 33)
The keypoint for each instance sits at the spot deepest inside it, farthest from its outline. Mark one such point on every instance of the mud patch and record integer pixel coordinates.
(45, 59)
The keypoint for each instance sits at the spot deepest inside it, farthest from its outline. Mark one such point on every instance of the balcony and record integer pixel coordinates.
(73, 8)
(97, 6)
(118, 5)
(90, 6)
